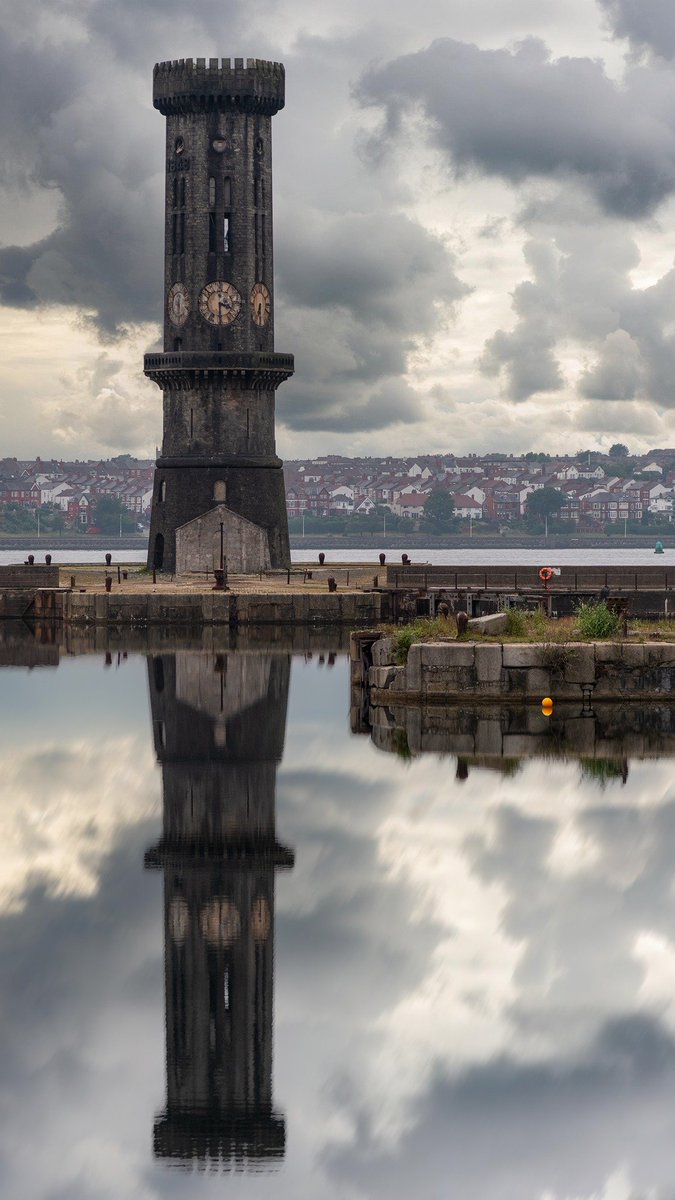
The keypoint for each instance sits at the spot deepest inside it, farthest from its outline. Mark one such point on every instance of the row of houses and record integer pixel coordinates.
(75, 487)
(595, 489)
(487, 487)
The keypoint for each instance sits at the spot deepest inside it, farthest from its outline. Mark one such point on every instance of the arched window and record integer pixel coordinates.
(162, 498)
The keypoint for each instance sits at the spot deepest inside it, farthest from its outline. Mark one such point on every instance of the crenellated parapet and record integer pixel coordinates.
(224, 85)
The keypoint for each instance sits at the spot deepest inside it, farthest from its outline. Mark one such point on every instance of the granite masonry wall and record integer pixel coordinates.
(440, 672)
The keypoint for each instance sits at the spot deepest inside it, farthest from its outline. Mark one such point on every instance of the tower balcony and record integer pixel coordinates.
(184, 370)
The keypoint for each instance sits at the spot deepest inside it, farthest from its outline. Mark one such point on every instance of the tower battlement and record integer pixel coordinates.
(225, 85)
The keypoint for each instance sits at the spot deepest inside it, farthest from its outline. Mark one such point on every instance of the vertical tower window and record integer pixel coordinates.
(212, 233)
(227, 192)
(162, 491)
(175, 191)
(226, 235)
(183, 184)
(174, 233)
(181, 235)
(212, 192)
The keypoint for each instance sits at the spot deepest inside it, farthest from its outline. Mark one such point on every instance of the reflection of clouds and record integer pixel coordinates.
(539, 916)
(62, 808)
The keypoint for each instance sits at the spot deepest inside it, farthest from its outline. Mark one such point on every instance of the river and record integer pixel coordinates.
(600, 556)
(239, 941)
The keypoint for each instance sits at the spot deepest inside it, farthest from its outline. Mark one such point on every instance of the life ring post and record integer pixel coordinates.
(545, 573)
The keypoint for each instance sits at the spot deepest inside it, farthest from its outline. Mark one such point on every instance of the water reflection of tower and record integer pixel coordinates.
(219, 725)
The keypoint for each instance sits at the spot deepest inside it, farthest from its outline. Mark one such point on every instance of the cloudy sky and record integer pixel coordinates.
(473, 215)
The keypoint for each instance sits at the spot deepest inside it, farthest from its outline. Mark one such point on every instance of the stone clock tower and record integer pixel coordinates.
(218, 476)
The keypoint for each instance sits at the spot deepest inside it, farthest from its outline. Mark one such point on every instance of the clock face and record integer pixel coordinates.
(261, 304)
(260, 919)
(179, 919)
(178, 304)
(219, 303)
(220, 922)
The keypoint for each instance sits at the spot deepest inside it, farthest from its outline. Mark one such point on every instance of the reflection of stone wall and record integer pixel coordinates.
(497, 732)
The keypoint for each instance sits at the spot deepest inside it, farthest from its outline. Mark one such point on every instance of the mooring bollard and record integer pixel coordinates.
(48, 559)
(108, 559)
(30, 560)
(322, 558)
(125, 574)
(383, 559)
(108, 583)
(405, 560)
(332, 585)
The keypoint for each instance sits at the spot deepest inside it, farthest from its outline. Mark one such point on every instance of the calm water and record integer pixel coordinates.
(234, 934)
(601, 556)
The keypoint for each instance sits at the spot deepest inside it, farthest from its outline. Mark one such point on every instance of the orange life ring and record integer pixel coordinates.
(545, 573)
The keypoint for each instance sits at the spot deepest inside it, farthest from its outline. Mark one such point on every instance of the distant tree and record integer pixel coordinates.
(618, 450)
(439, 513)
(543, 503)
(111, 516)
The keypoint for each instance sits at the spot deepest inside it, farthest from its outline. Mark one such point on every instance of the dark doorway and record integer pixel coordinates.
(158, 558)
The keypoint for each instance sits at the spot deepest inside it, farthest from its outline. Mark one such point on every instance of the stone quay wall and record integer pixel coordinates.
(195, 609)
(442, 672)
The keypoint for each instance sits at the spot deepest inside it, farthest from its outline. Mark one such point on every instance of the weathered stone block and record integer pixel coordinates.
(491, 624)
(439, 655)
(413, 669)
(381, 677)
(581, 666)
(488, 660)
(633, 655)
(521, 654)
(383, 651)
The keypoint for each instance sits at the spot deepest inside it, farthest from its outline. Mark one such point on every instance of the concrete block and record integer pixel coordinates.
(538, 683)
(633, 655)
(607, 652)
(581, 666)
(381, 677)
(488, 660)
(657, 653)
(413, 670)
(441, 655)
(383, 651)
(491, 624)
(521, 654)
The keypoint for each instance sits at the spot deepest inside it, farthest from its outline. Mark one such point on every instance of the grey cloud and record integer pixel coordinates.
(379, 280)
(619, 371)
(581, 289)
(646, 23)
(518, 114)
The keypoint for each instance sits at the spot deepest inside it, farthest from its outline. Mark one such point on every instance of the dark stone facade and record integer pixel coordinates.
(219, 370)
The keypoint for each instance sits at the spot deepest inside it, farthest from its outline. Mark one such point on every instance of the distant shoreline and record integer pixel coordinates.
(422, 541)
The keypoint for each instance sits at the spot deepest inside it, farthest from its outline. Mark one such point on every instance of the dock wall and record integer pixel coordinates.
(445, 672)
